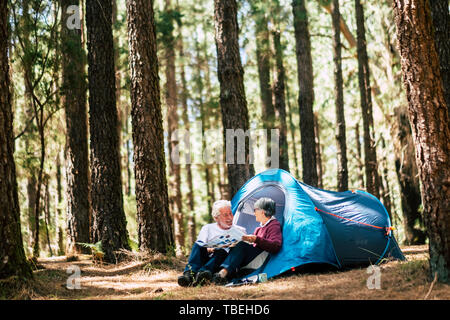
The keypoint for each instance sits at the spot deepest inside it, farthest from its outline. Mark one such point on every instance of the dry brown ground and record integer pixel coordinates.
(155, 278)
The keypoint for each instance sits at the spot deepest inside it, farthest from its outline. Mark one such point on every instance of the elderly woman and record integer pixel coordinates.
(203, 262)
(267, 237)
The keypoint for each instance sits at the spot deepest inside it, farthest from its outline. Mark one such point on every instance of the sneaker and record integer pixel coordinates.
(203, 277)
(187, 279)
(219, 280)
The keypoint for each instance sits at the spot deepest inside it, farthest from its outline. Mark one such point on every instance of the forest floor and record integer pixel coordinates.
(155, 277)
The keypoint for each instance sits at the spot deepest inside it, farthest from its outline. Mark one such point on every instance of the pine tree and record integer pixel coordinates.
(13, 260)
(154, 220)
(109, 223)
(428, 116)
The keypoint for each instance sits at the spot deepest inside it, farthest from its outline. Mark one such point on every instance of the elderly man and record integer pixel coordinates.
(203, 262)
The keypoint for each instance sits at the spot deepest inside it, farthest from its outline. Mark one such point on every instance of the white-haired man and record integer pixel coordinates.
(203, 262)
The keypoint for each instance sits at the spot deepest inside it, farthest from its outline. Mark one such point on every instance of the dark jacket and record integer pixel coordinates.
(269, 237)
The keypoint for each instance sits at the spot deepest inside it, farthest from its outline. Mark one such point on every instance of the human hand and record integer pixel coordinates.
(249, 238)
(210, 250)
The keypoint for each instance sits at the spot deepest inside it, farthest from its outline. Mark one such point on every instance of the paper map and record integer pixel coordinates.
(229, 238)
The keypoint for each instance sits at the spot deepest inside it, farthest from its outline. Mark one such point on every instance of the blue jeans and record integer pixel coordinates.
(200, 260)
(241, 255)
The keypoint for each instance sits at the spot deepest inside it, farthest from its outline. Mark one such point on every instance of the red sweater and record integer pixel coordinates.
(269, 237)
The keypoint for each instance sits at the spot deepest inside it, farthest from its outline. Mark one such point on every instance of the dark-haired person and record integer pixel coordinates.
(267, 237)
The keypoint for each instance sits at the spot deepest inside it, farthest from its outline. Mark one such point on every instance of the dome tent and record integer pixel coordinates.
(342, 229)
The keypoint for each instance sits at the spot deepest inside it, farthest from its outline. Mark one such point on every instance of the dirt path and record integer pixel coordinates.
(155, 278)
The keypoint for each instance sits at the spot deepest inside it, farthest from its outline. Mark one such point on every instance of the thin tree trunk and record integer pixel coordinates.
(306, 92)
(318, 151)
(279, 100)
(408, 177)
(175, 201)
(359, 156)
(154, 219)
(13, 260)
(109, 223)
(292, 131)
(263, 61)
(185, 117)
(232, 93)
(342, 170)
(428, 116)
(370, 153)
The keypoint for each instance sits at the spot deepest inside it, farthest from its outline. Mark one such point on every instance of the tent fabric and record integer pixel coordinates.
(338, 228)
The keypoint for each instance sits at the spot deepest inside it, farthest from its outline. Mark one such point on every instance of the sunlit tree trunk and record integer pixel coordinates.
(428, 116)
(370, 153)
(232, 92)
(13, 260)
(153, 215)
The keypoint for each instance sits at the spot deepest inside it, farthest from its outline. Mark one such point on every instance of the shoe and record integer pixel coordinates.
(203, 277)
(219, 280)
(187, 279)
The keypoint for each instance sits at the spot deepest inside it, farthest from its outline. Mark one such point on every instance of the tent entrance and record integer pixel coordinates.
(244, 215)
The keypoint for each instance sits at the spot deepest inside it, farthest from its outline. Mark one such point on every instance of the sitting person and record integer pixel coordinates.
(203, 262)
(267, 237)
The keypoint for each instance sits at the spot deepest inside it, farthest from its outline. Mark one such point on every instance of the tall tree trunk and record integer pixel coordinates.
(175, 201)
(408, 177)
(370, 153)
(204, 116)
(154, 219)
(185, 117)
(441, 22)
(359, 156)
(292, 131)
(232, 93)
(318, 151)
(109, 223)
(263, 61)
(428, 115)
(306, 92)
(342, 170)
(59, 214)
(74, 100)
(13, 260)
(279, 100)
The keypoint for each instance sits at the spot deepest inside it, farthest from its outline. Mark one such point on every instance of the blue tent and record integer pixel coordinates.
(342, 229)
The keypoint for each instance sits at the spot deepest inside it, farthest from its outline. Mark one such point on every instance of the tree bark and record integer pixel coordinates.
(441, 23)
(191, 233)
(74, 101)
(154, 219)
(175, 201)
(341, 140)
(13, 261)
(306, 92)
(279, 100)
(370, 153)
(232, 93)
(263, 61)
(428, 116)
(109, 223)
(408, 176)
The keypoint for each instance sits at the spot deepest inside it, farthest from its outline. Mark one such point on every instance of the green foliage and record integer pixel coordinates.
(95, 247)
